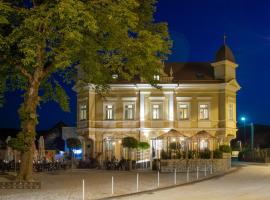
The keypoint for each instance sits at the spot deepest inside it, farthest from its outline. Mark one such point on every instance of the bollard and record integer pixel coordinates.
(197, 172)
(158, 179)
(211, 169)
(205, 170)
(188, 174)
(174, 176)
(137, 182)
(112, 186)
(83, 189)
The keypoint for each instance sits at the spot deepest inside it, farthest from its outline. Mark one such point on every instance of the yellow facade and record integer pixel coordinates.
(218, 118)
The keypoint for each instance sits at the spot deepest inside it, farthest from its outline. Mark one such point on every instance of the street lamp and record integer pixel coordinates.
(243, 119)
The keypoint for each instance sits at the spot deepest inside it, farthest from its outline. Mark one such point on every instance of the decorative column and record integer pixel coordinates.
(142, 113)
(171, 108)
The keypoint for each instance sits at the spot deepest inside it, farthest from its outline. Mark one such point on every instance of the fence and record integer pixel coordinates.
(257, 155)
(216, 165)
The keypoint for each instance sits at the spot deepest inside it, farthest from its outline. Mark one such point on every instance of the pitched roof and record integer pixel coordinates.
(191, 71)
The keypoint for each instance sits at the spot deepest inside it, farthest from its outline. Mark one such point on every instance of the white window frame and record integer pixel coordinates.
(105, 111)
(188, 110)
(83, 111)
(161, 114)
(209, 111)
(230, 111)
(134, 110)
(204, 144)
(156, 77)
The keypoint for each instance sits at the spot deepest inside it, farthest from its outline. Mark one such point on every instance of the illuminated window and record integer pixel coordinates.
(115, 76)
(130, 111)
(183, 111)
(83, 111)
(156, 111)
(230, 111)
(204, 111)
(109, 112)
(203, 145)
(156, 77)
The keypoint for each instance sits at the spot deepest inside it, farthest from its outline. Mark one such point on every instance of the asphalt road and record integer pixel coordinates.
(250, 182)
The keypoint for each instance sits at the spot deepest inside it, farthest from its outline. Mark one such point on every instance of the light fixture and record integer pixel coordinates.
(243, 119)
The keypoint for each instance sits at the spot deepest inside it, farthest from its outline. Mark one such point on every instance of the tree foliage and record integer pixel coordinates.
(143, 145)
(130, 142)
(16, 143)
(73, 143)
(44, 42)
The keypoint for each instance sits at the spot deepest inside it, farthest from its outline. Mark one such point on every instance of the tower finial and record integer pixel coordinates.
(224, 38)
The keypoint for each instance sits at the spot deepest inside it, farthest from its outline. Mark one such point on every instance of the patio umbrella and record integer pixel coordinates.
(41, 148)
(9, 153)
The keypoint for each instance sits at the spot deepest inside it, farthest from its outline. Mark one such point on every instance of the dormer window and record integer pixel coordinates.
(156, 77)
(115, 76)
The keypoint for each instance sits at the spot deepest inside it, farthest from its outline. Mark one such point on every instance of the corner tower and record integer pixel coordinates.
(224, 64)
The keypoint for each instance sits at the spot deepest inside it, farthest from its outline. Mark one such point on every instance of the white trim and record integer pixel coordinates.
(104, 110)
(189, 111)
(156, 98)
(134, 114)
(171, 107)
(183, 98)
(129, 98)
(82, 99)
(168, 92)
(161, 111)
(165, 86)
(110, 98)
(155, 129)
(209, 111)
(142, 115)
(224, 62)
(204, 98)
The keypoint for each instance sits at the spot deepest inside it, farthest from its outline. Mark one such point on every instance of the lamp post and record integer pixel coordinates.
(251, 136)
(243, 119)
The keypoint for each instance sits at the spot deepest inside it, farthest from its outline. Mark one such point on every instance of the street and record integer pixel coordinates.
(249, 183)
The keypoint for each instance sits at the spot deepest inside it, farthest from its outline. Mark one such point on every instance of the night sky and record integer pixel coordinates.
(197, 28)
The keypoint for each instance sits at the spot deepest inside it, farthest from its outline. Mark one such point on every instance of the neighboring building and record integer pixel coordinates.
(261, 136)
(195, 96)
(54, 138)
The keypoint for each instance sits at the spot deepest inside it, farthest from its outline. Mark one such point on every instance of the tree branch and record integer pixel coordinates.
(24, 72)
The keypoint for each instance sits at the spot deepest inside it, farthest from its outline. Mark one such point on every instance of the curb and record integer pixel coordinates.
(232, 170)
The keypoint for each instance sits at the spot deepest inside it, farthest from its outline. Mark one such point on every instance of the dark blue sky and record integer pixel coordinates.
(197, 28)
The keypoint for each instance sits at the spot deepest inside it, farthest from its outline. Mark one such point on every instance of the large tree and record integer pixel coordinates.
(44, 41)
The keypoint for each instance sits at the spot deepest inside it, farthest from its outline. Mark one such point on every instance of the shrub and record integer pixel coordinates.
(225, 148)
(206, 154)
(217, 154)
(130, 142)
(143, 145)
(164, 155)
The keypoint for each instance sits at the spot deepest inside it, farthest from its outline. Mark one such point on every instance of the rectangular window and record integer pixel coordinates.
(156, 77)
(230, 111)
(109, 112)
(129, 111)
(156, 111)
(183, 111)
(204, 111)
(83, 111)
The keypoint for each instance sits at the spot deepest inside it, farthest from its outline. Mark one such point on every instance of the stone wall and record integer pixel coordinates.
(214, 165)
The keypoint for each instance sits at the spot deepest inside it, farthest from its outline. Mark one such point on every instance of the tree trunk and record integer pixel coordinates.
(28, 119)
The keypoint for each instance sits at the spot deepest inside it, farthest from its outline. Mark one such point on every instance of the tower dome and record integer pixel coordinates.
(224, 53)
